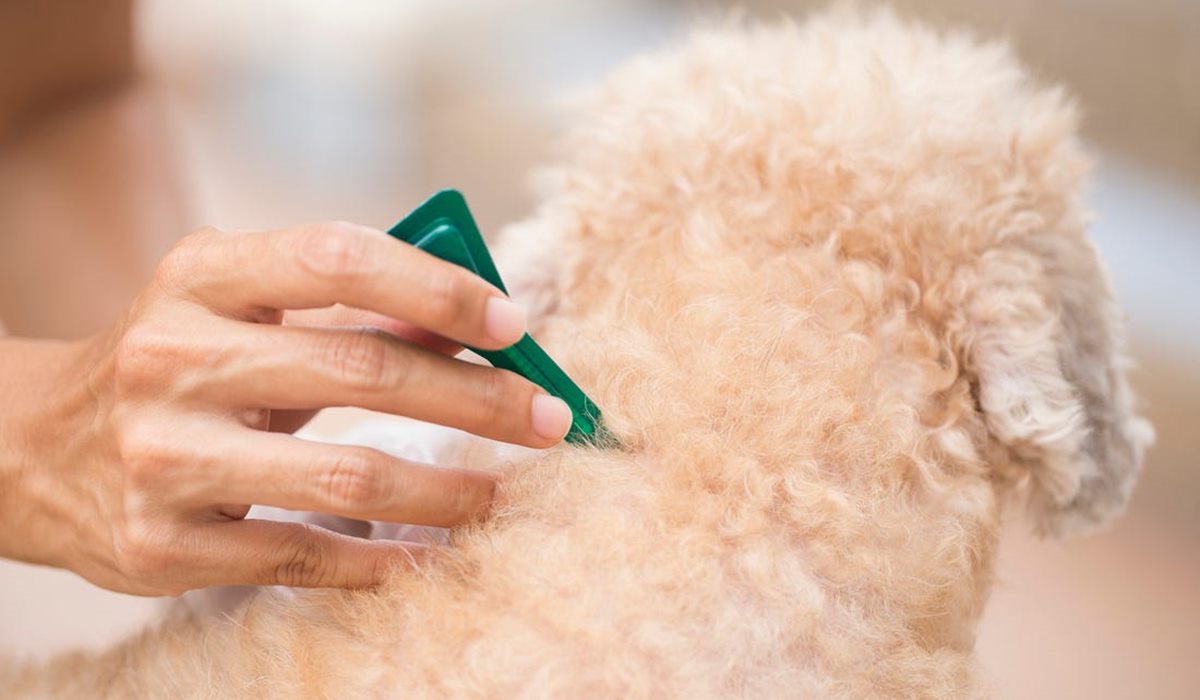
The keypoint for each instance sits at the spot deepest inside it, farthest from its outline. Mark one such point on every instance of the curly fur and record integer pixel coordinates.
(830, 285)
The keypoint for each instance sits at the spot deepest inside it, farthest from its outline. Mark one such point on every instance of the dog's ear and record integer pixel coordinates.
(1045, 351)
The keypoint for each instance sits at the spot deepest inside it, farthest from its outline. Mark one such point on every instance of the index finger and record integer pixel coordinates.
(241, 274)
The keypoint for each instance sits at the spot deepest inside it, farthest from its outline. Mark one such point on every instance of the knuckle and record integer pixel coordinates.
(303, 561)
(499, 392)
(180, 263)
(449, 297)
(142, 356)
(354, 481)
(362, 359)
(144, 451)
(380, 568)
(141, 551)
(467, 495)
(334, 250)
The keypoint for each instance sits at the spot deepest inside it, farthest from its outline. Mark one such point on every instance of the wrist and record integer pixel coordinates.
(44, 401)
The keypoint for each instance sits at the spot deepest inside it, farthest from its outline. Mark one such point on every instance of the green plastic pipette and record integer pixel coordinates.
(443, 227)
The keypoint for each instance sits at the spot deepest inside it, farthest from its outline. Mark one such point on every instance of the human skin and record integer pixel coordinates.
(832, 287)
(131, 456)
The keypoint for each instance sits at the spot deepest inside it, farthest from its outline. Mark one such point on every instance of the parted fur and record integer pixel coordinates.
(831, 286)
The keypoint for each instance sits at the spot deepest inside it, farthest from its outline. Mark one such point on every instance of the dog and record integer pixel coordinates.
(831, 285)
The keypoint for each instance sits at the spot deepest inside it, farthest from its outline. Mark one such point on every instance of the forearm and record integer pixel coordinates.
(43, 401)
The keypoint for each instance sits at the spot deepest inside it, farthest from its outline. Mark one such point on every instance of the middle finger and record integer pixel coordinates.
(308, 368)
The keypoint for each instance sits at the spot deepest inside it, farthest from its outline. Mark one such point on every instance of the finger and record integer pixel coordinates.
(325, 264)
(350, 481)
(306, 368)
(340, 316)
(266, 553)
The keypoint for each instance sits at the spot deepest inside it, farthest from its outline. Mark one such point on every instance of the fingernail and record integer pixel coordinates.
(504, 321)
(551, 417)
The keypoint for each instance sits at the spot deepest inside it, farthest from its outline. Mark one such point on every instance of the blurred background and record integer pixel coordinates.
(276, 112)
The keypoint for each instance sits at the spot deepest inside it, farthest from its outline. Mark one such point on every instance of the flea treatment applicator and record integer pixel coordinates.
(443, 227)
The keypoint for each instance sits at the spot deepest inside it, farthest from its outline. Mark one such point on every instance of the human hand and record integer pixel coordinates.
(142, 453)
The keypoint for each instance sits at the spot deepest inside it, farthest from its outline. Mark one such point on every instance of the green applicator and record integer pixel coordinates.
(443, 227)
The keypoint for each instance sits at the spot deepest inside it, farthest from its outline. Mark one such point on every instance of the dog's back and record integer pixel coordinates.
(830, 286)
